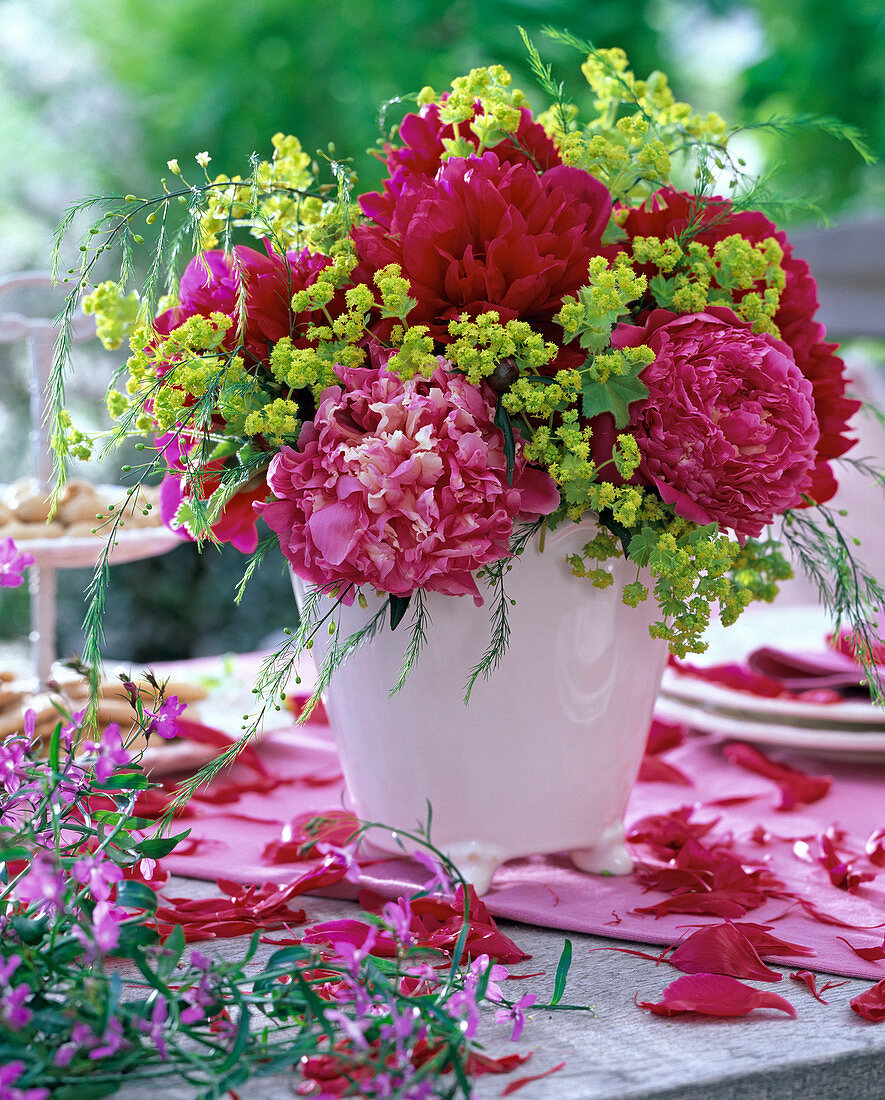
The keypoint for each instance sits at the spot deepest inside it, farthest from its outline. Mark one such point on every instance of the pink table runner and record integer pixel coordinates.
(781, 849)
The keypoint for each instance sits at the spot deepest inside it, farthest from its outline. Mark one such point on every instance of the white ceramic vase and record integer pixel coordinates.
(543, 758)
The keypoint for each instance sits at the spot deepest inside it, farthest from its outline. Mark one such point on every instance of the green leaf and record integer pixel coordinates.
(133, 936)
(614, 396)
(398, 607)
(643, 544)
(83, 1090)
(156, 847)
(29, 930)
(137, 896)
(565, 961)
(173, 949)
(502, 421)
(18, 851)
(124, 781)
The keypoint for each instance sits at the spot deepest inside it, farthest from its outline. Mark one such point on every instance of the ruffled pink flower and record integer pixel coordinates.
(485, 235)
(669, 213)
(422, 136)
(400, 485)
(211, 284)
(728, 431)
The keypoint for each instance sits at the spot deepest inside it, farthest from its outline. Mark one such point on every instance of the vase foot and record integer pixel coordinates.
(608, 856)
(477, 864)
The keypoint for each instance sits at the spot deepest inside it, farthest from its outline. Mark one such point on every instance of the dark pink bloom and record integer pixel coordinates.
(714, 995)
(212, 281)
(485, 235)
(728, 431)
(721, 949)
(422, 136)
(235, 525)
(669, 213)
(400, 485)
(13, 563)
(870, 1005)
(163, 721)
(796, 787)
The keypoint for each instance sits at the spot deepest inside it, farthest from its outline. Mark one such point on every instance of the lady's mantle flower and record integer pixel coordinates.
(485, 235)
(728, 431)
(13, 563)
(400, 485)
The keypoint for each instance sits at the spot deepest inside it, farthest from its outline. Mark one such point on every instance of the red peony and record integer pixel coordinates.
(728, 432)
(486, 235)
(422, 151)
(669, 213)
(401, 485)
(211, 284)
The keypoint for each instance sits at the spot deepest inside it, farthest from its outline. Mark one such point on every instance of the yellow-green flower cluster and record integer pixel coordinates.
(639, 125)
(500, 114)
(278, 421)
(308, 368)
(115, 313)
(273, 204)
(591, 316)
(482, 342)
(727, 274)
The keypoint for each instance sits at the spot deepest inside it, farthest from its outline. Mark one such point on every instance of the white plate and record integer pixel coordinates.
(853, 715)
(66, 552)
(835, 743)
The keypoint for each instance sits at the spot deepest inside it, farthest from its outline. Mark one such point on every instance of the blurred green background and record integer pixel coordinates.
(98, 94)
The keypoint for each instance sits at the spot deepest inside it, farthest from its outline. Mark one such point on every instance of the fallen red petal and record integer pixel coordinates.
(663, 736)
(870, 1005)
(808, 979)
(714, 995)
(520, 1082)
(721, 949)
(869, 954)
(875, 848)
(796, 787)
(654, 770)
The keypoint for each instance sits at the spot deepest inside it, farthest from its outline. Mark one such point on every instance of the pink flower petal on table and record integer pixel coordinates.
(807, 978)
(721, 949)
(870, 1005)
(841, 873)
(714, 995)
(875, 848)
(715, 904)
(869, 954)
(654, 770)
(520, 1082)
(760, 937)
(825, 918)
(731, 675)
(663, 736)
(795, 786)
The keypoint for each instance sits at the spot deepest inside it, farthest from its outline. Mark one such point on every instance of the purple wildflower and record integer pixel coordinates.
(13, 762)
(43, 885)
(516, 1015)
(111, 754)
(13, 563)
(162, 721)
(462, 1003)
(110, 1042)
(154, 1029)
(97, 873)
(344, 857)
(9, 1074)
(441, 879)
(497, 973)
(399, 916)
(13, 1010)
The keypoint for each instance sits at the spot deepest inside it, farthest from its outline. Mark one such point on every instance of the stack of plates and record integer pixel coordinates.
(851, 729)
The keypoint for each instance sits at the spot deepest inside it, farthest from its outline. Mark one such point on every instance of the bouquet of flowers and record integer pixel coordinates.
(536, 320)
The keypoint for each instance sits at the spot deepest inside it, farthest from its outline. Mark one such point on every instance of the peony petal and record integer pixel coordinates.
(521, 1082)
(714, 995)
(870, 1005)
(795, 786)
(721, 949)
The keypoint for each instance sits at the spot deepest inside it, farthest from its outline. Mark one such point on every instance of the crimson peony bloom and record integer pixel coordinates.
(211, 284)
(728, 431)
(422, 151)
(487, 235)
(401, 485)
(669, 213)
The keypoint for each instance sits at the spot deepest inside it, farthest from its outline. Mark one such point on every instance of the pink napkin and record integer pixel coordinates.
(791, 847)
(807, 669)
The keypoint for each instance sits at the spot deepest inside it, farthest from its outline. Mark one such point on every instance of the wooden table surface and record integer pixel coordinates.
(623, 1052)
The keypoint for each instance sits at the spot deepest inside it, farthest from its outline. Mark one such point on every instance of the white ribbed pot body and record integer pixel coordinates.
(543, 757)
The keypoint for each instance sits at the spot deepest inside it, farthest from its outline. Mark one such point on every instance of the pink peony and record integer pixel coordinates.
(211, 284)
(728, 431)
(422, 151)
(669, 213)
(400, 485)
(485, 235)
